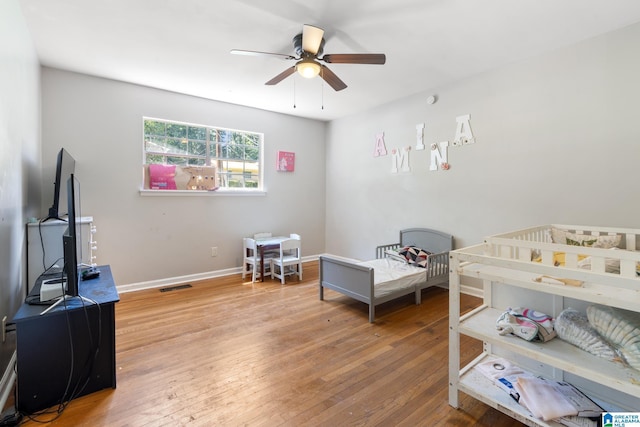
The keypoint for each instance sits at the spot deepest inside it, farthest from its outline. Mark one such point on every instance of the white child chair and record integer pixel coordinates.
(292, 236)
(250, 258)
(289, 256)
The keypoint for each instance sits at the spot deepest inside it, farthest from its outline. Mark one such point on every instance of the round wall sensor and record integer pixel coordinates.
(431, 100)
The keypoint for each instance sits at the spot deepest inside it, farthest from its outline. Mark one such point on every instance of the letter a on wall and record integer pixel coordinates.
(380, 149)
(464, 135)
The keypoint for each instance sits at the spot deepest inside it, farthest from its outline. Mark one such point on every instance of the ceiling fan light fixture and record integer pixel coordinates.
(308, 68)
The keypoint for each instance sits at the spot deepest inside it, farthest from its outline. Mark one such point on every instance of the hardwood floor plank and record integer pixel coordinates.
(230, 352)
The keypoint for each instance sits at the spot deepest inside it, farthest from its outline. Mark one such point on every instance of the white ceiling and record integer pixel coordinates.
(183, 45)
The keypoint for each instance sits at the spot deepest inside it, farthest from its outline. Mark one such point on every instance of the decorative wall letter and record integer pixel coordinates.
(400, 159)
(464, 135)
(439, 156)
(419, 136)
(439, 151)
(380, 149)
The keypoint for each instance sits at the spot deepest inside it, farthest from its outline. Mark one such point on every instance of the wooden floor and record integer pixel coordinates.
(229, 353)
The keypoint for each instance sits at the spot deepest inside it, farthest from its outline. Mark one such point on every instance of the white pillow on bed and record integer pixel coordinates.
(393, 254)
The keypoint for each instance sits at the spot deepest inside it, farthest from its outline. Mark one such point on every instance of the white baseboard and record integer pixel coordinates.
(465, 289)
(471, 290)
(8, 381)
(161, 283)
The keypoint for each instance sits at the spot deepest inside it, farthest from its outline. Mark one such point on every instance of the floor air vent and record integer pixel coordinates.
(175, 288)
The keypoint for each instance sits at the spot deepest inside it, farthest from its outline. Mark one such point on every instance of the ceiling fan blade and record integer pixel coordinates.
(355, 58)
(311, 39)
(283, 75)
(256, 53)
(333, 80)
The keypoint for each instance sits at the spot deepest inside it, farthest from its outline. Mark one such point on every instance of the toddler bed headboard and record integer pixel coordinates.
(427, 239)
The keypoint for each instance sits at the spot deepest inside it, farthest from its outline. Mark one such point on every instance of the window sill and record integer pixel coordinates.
(201, 193)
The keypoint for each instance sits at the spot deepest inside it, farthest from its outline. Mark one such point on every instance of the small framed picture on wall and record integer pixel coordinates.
(286, 161)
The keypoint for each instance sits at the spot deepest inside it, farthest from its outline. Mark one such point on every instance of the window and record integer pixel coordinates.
(199, 157)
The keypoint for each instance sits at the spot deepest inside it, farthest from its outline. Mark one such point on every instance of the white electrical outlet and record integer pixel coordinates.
(214, 251)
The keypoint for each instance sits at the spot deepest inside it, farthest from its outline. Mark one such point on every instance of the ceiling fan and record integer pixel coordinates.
(309, 46)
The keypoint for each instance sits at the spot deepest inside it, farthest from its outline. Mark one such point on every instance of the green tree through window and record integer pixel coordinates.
(235, 154)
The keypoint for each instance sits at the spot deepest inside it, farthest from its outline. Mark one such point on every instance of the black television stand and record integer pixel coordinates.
(52, 349)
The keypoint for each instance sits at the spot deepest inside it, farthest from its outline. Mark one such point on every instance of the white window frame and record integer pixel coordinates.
(206, 160)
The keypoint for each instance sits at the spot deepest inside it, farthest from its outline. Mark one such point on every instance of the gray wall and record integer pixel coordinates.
(147, 238)
(557, 142)
(19, 157)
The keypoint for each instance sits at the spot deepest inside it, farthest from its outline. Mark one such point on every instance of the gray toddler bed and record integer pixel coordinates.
(358, 279)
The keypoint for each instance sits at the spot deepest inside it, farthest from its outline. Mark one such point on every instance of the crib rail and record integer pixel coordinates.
(536, 245)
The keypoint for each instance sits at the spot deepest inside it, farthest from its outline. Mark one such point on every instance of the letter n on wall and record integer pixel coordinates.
(439, 155)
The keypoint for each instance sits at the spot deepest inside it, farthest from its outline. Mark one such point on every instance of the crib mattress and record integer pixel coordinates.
(391, 275)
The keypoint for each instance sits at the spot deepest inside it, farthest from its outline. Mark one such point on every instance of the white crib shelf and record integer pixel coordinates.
(504, 267)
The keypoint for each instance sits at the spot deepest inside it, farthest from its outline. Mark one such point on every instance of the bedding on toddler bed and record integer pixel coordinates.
(391, 275)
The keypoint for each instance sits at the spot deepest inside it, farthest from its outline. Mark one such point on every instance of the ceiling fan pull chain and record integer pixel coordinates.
(294, 92)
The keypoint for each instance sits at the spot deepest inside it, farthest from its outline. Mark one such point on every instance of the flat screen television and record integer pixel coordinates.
(72, 246)
(65, 166)
(72, 238)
